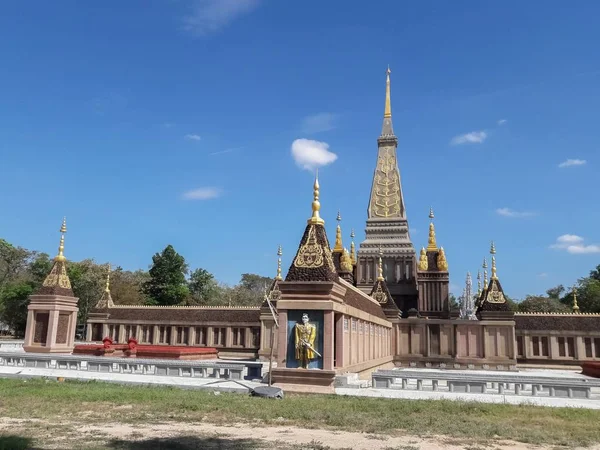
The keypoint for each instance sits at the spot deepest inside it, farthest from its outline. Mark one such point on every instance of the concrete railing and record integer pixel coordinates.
(175, 368)
(504, 384)
(11, 345)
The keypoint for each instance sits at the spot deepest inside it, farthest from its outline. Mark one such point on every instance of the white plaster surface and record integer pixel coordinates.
(193, 383)
(483, 398)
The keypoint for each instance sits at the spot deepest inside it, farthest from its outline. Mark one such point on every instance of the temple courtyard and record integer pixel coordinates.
(38, 413)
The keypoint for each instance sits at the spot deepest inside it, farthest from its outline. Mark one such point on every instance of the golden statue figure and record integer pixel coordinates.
(306, 334)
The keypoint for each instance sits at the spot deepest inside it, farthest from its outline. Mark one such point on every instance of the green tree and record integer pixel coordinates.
(556, 292)
(88, 282)
(14, 300)
(588, 296)
(454, 306)
(203, 288)
(13, 262)
(126, 287)
(167, 284)
(538, 303)
(595, 274)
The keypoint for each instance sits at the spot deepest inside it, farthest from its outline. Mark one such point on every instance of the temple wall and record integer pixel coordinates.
(557, 339)
(455, 343)
(233, 338)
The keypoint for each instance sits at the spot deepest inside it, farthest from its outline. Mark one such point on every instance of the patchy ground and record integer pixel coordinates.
(45, 414)
(19, 434)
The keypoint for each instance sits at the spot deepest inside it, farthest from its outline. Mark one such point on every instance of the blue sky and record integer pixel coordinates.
(156, 122)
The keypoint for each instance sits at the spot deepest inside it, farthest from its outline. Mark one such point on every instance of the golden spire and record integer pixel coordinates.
(380, 276)
(352, 248)
(493, 252)
(575, 305)
(431, 244)
(478, 282)
(388, 102)
(279, 253)
(485, 280)
(423, 264)
(338, 248)
(441, 260)
(107, 288)
(316, 205)
(61, 246)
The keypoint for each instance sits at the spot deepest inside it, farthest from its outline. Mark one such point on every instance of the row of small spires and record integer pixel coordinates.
(60, 257)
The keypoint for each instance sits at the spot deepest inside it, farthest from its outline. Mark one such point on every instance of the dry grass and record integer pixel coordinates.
(95, 402)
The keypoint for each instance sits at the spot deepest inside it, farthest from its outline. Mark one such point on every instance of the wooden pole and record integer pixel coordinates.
(271, 354)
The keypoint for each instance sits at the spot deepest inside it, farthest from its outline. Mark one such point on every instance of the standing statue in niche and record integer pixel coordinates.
(306, 334)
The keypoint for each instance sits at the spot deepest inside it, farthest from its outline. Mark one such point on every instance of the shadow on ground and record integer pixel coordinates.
(13, 442)
(187, 443)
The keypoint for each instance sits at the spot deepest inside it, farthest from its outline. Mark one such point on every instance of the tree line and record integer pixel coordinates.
(169, 281)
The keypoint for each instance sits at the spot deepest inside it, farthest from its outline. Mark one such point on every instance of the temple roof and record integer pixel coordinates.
(57, 282)
(313, 260)
(186, 314)
(493, 298)
(358, 299)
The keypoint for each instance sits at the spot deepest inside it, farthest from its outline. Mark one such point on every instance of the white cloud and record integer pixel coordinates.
(573, 244)
(193, 137)
(167, 125)
(507, 212)
(501, 122)
(310, 154)
(318, 122)
(208, 16)
(205, 193)
(474, 137)
(572, 163)
(543, 275)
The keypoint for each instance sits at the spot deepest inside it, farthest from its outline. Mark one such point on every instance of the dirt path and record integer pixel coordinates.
(178, 435)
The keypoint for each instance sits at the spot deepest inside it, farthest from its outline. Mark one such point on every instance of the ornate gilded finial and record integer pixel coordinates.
(338, 248)
(575, 305)
(493, 253)
(388, 102)
(441, 260)
(431, 243)
(61, 246)
(107, 288)
(478, 282)
(316, 205)
(346, 262)
(352, 248)
(380, 276)
(279, 253)
(423, 264)
(485, 280)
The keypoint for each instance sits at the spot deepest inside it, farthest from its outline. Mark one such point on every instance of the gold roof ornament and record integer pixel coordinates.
(346, 261)
(338, 248)
(485, 280)
(575, 305)
(107, 288)
(388, 97)
(493, 253)
(431, 243)
(380, 276)
(316, 205)
(423, 264)
(61, 246)
(442, 263)
(352, 248)
(279, 253)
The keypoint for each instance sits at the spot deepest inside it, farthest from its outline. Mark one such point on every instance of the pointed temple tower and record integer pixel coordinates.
(387, 225)
(493, 305)
(52, 310)
(100, 314)
(433, 278)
